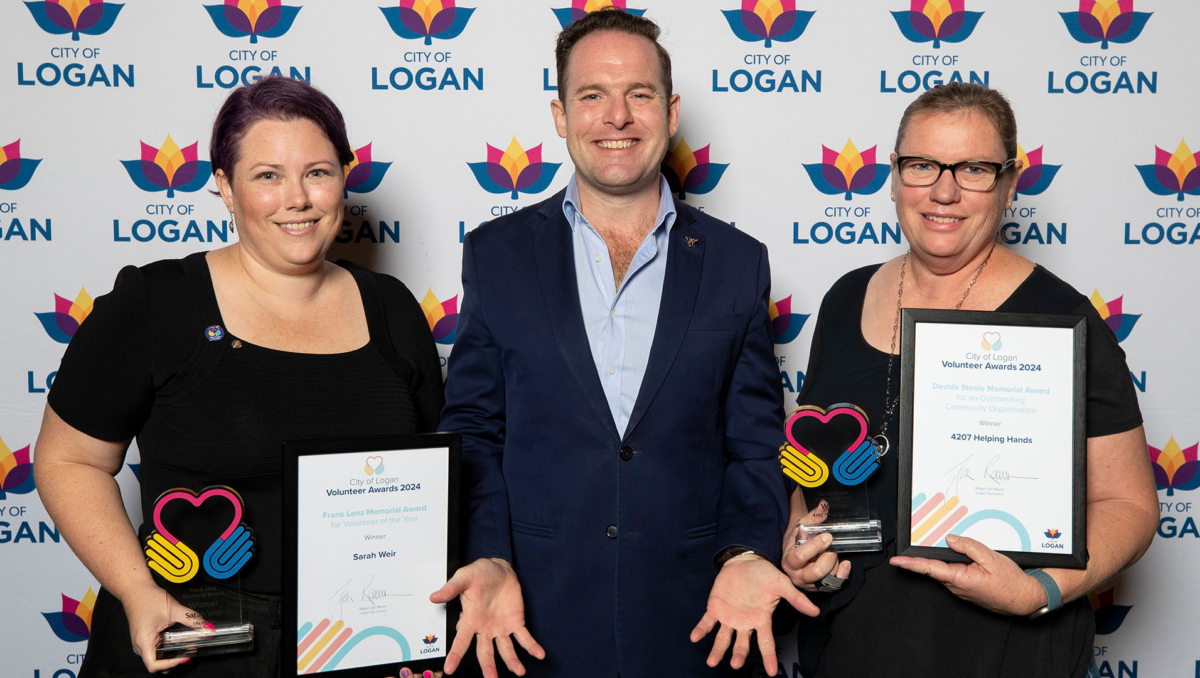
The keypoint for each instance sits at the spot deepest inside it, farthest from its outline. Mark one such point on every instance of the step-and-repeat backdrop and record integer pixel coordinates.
(789, 112)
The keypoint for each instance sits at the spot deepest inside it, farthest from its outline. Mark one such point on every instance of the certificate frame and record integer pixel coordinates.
(1073, 556)
(293, 452)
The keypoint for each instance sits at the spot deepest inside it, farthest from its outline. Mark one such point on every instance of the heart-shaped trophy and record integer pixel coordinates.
(818, 439)
(218, 626)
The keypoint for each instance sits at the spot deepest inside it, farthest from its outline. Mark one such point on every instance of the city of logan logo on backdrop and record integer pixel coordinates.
(933, 24)
(15, 174)
(847, 173)
(433, 68)
(363, 175)
(169, 169)
(74, 65)
(248, 60)
(1109, 617)
(569, 15)
(768, 27)
(514, 171)
(16, 471)
(60, 325)
(785, 327)
(1172, 176)
(1033, 228)
(442, 317)
(1176, 469)
(689, 171)
(17, 524)
(1103, 22)
(74, 623)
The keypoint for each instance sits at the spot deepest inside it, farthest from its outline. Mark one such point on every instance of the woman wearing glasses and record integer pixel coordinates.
(953, 174)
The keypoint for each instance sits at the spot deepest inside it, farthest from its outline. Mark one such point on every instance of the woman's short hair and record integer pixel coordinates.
(961, 96)
(274, 98)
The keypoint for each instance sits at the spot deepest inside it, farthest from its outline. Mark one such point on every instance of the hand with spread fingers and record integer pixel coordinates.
(809, 565)
(991, 580)
(744, 596)
(493, 610)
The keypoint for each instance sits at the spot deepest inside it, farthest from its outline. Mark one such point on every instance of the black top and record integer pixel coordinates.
(887, 621)
(215, 412)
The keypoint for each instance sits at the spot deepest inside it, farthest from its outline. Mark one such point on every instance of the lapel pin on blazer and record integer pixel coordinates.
(691, 241)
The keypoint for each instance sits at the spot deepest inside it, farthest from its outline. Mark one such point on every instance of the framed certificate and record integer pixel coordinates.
(370, 530)
(992, 441)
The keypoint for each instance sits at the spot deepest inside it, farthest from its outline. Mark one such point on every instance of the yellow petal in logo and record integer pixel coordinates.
(1105, 11)
(169, 158)
(768, 11)
(593, 5)
(428, 9)
(433, 309)
(682, 160)
(849, 161)
(937, 11)
(514, 160)
(81, 307)
(1182, 162)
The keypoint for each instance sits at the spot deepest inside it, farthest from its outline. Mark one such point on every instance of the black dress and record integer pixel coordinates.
(888, 621)
(210, 409)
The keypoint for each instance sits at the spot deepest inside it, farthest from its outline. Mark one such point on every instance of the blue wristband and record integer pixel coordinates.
(1053, 595)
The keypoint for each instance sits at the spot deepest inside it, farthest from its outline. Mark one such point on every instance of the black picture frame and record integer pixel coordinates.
(292, 452)
(1077, 557)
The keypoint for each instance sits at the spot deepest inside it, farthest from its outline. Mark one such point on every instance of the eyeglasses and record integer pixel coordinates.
(973, 175)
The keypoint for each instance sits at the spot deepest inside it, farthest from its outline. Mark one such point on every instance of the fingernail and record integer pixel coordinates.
(427, 674)
(405, 673)
(827, 538)
(210, 626)
(951, 538)
(185, 661)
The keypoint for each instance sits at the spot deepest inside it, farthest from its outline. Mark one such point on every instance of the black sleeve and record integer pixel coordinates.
(413, 340)
(1112, 404)
(104, 386)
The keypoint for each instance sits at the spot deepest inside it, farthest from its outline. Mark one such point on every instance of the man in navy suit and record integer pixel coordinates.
(614, 381)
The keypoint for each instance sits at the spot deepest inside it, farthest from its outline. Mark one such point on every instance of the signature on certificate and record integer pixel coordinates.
(368, 592)
(992, 472)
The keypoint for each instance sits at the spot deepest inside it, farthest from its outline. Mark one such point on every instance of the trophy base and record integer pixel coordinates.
(225, 639)
(849, 536)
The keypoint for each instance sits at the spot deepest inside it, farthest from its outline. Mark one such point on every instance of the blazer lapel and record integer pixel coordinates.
(555, 257)
(685, 258)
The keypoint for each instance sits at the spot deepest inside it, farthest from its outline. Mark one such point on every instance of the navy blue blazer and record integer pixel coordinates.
(613, 538)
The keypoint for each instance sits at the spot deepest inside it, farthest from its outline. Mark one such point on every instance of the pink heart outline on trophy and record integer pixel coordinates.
(839, 410)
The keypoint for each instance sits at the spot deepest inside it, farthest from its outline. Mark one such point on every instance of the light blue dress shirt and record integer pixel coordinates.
(620, 323)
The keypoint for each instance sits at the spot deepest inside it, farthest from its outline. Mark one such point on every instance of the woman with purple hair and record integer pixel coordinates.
(211, 361)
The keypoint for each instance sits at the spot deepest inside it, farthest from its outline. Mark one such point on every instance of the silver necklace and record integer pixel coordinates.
(889, 404)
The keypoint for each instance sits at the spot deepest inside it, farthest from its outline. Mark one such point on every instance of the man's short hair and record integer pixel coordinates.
(610, 18)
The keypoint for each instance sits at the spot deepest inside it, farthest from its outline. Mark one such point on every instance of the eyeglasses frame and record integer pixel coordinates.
(953, 167)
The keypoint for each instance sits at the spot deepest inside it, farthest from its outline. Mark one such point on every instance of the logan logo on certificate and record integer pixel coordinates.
(992, 435)
(371, 544)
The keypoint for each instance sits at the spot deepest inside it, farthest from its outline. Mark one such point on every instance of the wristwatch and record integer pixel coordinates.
(733, 552)
(1053, 594)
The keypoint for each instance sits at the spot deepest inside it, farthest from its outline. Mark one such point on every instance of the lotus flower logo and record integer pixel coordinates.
(767, 20)
(428, 19)
(847, 172)
(1035, 177)
(1175, 468)
(442, 317)
(1172, 173)
(59, 17)
(430, 639)
(689, 171)
(168, 168)
(74, 623)
(581, 8)
(63, 322)
(1105, 21)
(785, 325)
(1053, 533)
(1120, 323)
(255, 18)
(937, 21)
(15, 171)
(16, 473)
(363, 175)
(514, 170)
(1109, 616)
